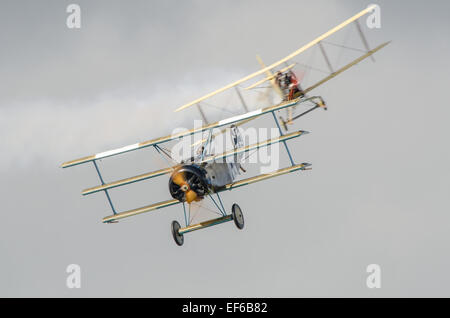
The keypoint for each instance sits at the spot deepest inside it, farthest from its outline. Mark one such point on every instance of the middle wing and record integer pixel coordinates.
(212, 158)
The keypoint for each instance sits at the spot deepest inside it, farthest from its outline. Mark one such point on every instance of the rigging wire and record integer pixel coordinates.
(344, 46)
(341, 51)
(219, 108)
(198, 209)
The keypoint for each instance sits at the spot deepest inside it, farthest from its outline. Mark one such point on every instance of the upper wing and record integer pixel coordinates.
(287, 58)
(153, 142)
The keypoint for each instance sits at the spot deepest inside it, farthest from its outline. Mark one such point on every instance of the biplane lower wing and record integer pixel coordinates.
(237, 184)
(137, 211)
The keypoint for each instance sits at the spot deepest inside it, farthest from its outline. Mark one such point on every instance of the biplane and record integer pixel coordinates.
(208, 173)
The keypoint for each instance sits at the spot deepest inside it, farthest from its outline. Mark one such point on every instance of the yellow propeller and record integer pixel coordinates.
(179, 179)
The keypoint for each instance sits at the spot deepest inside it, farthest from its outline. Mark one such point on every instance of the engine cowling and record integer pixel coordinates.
(188, 183)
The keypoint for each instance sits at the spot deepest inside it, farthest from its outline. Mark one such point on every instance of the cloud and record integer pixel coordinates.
(52, 131)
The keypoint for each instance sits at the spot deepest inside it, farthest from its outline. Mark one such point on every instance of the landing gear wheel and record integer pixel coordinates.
(238, 217)
(179, 238)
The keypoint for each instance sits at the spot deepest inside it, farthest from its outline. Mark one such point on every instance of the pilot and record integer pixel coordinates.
(295, 90)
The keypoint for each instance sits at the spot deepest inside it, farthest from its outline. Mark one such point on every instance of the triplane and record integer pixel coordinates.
(208, 174)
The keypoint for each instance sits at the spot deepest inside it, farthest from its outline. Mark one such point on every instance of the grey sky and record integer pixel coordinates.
(378, 191)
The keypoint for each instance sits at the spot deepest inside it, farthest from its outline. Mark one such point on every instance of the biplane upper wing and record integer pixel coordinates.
(283, 60)
(228, 121)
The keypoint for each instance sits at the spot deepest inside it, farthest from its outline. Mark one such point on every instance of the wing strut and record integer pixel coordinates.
(106, 191)
(363, 39)
(325, 56)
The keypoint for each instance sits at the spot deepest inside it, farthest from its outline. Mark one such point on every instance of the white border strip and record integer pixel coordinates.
(240, 117)
(116, 151)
